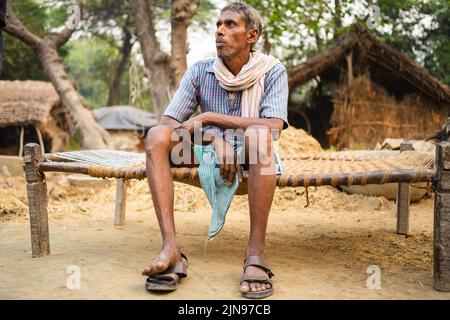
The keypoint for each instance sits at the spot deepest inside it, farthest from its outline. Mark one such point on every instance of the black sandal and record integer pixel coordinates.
(168, 279)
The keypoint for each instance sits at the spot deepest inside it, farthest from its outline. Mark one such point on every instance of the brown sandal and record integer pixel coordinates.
(258, 261)
(169, 278)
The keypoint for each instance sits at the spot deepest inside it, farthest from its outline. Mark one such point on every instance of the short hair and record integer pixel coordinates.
(251, 16)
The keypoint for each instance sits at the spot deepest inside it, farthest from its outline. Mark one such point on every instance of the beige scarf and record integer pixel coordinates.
(250, 80)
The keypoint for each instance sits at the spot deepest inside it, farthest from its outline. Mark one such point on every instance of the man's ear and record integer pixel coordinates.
(252, 36)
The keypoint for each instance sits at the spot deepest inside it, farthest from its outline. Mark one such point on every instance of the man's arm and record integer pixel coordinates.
(272, 112)
(224, 121)
(233, 122)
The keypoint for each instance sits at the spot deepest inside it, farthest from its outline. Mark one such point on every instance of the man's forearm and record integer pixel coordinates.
(232, 122)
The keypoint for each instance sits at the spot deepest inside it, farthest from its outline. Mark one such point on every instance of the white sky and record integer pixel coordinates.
(201, 43)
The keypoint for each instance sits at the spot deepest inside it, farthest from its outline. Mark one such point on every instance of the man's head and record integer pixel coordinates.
(238, 29)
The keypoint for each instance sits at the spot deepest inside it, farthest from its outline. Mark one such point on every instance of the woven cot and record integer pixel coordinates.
(303, 170)
(340, 168)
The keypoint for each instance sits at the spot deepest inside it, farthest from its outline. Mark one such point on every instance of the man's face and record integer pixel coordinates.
(232, 37)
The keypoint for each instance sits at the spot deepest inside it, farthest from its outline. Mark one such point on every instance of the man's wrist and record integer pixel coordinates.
(208, 119)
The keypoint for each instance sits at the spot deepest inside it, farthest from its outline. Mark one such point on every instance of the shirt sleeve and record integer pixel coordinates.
(185, 101)
(274, 102)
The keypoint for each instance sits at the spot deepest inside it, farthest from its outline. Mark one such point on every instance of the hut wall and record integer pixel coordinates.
(365, 114)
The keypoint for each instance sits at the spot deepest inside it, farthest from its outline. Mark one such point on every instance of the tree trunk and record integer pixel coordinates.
(162, 80)
(267, 46)
(181, 17)
(93, 136)
(337, 17)
(165, 71)
(114, 87)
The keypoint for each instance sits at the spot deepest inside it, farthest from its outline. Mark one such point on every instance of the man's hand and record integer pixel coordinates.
(201, 120)
(229, 165)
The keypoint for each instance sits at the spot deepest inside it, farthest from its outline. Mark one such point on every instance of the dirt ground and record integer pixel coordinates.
(319, 252)
(339, 247)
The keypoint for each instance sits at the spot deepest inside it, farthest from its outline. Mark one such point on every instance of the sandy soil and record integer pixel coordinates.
(319, 252)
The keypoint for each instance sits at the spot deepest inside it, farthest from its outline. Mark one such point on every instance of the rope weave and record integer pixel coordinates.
(301, 170)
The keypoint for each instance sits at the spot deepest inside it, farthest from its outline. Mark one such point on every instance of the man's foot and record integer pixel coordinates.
(255, 282)
(254, 272)
(168, 256)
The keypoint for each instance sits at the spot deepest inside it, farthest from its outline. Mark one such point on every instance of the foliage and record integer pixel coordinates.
(301, 28)
(421, 29)
(295, 30)
(20, 63)
(89, 63)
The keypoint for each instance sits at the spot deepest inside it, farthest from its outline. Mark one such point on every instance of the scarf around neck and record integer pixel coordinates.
(250, 80)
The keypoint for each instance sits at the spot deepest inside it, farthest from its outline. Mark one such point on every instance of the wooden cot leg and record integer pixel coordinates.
(441, 234)
(121, 201)
(403, 200)
(37, 201)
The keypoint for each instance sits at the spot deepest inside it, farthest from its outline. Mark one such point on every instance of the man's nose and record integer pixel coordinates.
(219, 31)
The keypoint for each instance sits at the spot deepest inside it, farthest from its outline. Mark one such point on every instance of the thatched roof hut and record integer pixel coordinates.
(377, 92)
(31, 111)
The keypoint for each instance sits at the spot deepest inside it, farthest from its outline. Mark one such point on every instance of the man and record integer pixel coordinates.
(2, 25)
(239, 90)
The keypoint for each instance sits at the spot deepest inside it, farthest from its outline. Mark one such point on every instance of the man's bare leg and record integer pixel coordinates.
(261, 186)
(160, 181)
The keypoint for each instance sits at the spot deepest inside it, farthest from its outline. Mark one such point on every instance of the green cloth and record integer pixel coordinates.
(219, 193)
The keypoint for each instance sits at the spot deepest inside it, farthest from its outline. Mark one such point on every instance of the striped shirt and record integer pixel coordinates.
(199, 87)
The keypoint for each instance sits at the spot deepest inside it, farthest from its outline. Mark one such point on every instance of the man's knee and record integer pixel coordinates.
(158, 139)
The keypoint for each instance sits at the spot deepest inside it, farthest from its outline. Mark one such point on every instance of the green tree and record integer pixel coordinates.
(300, 28)
(420, 29)
(46, 48)
(89, 62)
(20, 62)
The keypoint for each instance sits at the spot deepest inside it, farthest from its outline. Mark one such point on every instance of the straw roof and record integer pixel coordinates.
(26, 102)
(387, 66)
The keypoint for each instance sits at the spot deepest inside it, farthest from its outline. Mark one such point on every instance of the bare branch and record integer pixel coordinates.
(15, 28)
